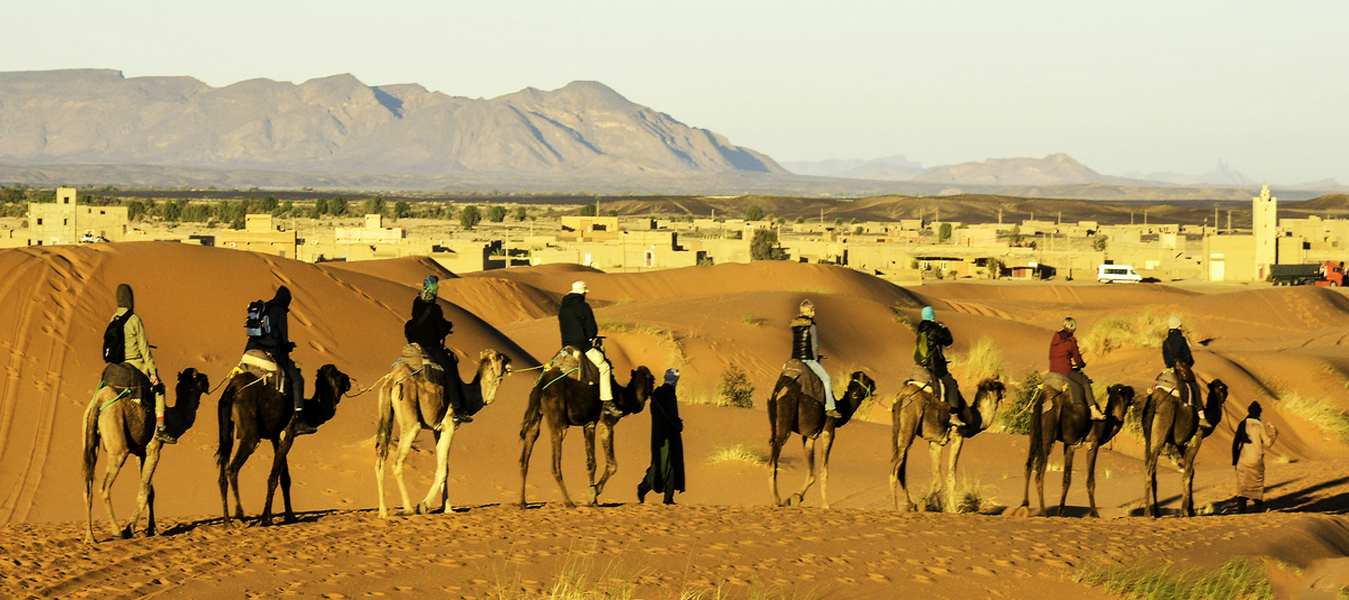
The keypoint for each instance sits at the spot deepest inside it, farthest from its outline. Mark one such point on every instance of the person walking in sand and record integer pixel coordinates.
(930, 356)
(579, 331)
(806, 348)
(1176, 354)
(136, 352)
(666, 472)
(1065, 368)
(427, 328)
(1253, 437)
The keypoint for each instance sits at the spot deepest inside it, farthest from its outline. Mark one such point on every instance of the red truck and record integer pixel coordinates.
(1324, 274)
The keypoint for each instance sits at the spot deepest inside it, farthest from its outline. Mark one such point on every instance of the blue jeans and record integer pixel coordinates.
(824, 378)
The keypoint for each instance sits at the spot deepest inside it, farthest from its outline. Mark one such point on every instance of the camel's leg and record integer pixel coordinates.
(115, 461)
(592, 496)
(807, 444)
(956, 445)
(1030, 471)
(935, 490)
(1150, 508)
(285, 490)
(150, 511)
(1040, 467)
(246, 448)
(1092, 449)
(89, 506)
(827, 436)
(557, 433)
(899, 474)
(148, 463)
(777, 441)
(438, 482)
(1068, 450)
(1187, 478)
(279, 450)
(407, 435)
(606, 439)
(527, 439)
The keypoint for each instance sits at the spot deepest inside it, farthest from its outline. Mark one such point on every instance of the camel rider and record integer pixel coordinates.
(1065, 368)
(428, 328)
(1176, 354)
(137, 354)
(806, 348)
(277, 344)
(579, 331)
(931, 358)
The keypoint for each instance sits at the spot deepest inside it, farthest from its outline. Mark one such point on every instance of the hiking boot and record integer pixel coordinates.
(612, 409)
(302, 428)
(956, 421)
(833, 413)
(163, 436)
(458, 418)
(1203, 420)
(1096, 414)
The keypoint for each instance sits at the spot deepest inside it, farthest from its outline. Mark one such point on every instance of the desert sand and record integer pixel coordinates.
(54, 302)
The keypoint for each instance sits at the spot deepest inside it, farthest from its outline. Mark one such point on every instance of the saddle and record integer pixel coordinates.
(418, 360)
(127, 381)
(574, 365)
(804, 377)
(1168, 382)
(260, 364)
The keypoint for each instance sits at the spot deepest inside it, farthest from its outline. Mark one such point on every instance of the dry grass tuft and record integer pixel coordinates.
(752, 320)
(1236, 579)
(740, 453)
(983, 361)
(1320, 413)
(1146, 330)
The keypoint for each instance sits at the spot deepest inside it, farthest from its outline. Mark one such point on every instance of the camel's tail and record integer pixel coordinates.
(533, 412)
(1039, 450)
(385, 412)
(91, 439)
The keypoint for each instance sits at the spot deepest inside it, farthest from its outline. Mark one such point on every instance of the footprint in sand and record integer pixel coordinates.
(937, 570)
(982, 571)
(923, 578)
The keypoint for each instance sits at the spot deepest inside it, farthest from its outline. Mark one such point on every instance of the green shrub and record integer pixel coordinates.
(1236, 579)
(735, 388)
(1146, 330)
(1015, 416)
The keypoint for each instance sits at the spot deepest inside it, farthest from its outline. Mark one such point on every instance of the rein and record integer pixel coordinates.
(376, 383)
(105, 406)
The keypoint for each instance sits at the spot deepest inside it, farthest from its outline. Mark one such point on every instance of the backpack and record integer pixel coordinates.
(114, 339)
(922, 352)
(259, 322)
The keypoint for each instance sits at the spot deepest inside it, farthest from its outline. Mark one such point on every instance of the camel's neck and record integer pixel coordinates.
(986, 403)
(183, 413)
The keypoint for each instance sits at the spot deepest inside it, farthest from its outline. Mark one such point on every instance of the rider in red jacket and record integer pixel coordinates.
(1065, 361)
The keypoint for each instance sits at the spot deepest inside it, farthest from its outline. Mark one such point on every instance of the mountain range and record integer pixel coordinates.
(95, 126)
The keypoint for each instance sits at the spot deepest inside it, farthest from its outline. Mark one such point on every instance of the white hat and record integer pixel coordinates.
(579, 287)
(1173, 322)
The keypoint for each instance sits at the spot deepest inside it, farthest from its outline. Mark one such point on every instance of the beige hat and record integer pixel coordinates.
(1173, 322)
(579, 287)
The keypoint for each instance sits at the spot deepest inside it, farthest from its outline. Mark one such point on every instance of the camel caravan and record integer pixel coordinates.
(263, 399)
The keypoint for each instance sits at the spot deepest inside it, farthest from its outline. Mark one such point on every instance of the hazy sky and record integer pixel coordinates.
(1121, 86)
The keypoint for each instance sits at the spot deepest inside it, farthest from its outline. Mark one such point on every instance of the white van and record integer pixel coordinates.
(1117, 274)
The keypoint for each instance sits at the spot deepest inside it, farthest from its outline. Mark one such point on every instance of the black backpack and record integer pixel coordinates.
(114, 339)
(259, 323)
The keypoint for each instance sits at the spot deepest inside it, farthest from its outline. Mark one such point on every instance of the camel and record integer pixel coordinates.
(566, 402)
(797, 406)
(1056, 418)
(1167, 422)
(124, 427)
(918, 413)
(418, 401)
(260, 413)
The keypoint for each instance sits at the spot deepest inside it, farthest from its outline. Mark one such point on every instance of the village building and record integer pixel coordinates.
(66, 221)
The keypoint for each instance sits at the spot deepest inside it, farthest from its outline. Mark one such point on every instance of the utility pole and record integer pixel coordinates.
(1000, 216)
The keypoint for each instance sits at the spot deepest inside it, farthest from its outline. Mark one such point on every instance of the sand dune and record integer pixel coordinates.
(56, 301)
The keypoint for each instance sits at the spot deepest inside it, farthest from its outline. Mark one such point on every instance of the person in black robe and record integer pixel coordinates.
(666, 473)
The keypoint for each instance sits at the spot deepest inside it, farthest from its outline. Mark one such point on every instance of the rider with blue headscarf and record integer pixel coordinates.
(928, 353)
(428, 328)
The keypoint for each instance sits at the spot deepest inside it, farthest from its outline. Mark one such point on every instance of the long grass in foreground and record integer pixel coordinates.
(738, 452)
(1236, 579)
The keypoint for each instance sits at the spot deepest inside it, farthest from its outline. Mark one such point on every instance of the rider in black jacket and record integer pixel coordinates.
(277, 344)
(428, 328)
(579, 330)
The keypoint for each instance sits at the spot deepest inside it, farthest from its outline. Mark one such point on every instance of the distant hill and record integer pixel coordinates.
(340, 125)
(1222, 174)
(1055, 169)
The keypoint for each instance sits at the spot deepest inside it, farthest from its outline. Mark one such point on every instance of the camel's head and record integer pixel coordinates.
(192, 385)
(987, 397)
(1120, 398)
(492, 367)
(640, 385)
(336, 381)
(860, 387)
(1217, 396)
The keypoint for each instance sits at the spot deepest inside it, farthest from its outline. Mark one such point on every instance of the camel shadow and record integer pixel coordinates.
(1305, 500)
